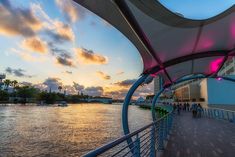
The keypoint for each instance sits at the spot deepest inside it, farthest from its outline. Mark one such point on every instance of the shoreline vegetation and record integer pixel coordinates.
(25, 94)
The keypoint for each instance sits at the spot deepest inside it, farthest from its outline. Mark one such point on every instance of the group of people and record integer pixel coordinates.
(195, 108)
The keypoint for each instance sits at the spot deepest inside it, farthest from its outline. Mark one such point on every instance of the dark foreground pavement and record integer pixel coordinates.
(200, 137)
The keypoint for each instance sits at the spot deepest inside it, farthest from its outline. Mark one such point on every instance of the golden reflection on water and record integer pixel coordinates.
(62, 131)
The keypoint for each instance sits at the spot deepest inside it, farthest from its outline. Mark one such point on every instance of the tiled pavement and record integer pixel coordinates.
(200, 137)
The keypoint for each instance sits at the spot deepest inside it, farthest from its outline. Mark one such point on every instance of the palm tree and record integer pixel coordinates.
(60, 88)
(14, 84)
(7, 83)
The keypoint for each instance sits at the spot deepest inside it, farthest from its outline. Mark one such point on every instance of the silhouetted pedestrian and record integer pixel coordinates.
(178, 109)
(199, 110)
(194, 110)
(187, 106)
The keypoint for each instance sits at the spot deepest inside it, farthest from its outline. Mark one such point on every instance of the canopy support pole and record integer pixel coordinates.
(126, 103)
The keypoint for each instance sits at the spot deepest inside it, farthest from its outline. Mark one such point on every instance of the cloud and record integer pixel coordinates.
(64, 61)
(24, 83)
(17, 72)
(52, 84)
(94, 91)
(35, 44)
(147, 89)
(58, 31)
(77, 86)
(17, 21)
(120, 73)
(102, 75)
(63, 57)
(89, 57)
(30, 57)
(72, 11)
(117, 94)
(119, 90)
(125, 83)
(68, 72)
(61, 32)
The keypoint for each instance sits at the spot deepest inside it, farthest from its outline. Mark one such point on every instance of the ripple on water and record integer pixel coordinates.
(56, 131)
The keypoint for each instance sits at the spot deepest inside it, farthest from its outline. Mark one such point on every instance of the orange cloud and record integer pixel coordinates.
(35, 44)
(64, 31)
(29, 57)
(102, 75)
(69, 8)
(56, 29)
(89, 57)
(64, 61)
(17, 21)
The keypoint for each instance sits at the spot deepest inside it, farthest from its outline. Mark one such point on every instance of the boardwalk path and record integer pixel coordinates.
(201, 137)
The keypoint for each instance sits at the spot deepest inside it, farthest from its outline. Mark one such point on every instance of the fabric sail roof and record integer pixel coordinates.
(170, 45)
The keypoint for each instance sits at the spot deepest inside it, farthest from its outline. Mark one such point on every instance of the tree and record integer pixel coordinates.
(14, 84)
(48, 98)
(7, 83)
(27, 92)
(4, 96)
(60, 88)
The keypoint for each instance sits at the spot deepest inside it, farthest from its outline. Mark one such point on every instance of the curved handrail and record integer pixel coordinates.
(136, 133)
(220, 114)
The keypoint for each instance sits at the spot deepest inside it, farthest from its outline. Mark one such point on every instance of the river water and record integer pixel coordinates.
(62, 131)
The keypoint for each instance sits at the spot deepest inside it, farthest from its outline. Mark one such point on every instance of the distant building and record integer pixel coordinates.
(139, 101)
(157, 84)
(2, 77)
(218, 92)
(104, 100)
(188, 92)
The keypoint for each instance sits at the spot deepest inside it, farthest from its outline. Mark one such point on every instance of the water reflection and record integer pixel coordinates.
(57, 131)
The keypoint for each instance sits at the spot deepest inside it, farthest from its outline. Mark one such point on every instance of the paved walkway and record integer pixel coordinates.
(200, 137)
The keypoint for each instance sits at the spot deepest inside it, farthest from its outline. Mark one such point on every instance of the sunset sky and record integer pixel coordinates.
(58, 42)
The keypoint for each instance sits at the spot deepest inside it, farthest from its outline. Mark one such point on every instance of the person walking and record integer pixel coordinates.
(194, 110)
(199, 110)
(187, 106)
(178, 109)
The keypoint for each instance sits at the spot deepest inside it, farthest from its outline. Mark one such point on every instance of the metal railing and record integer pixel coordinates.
(221, 114)
(146, 141)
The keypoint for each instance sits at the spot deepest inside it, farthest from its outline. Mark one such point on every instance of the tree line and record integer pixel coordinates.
(30, 94)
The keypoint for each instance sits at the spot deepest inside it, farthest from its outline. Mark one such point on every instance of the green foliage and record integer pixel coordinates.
(7, 83)
(49, 98)
(27, 92)
(4, 96)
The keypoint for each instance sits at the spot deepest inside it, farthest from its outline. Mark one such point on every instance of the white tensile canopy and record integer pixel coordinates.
(170, 45)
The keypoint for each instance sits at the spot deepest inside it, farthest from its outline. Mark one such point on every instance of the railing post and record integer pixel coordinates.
(168, 125)
(222, 112)
(153, 142)
(214, 113)
(227, 115)
(233, 117)
(161, 140)
(165, 128)
(217, 114)
(136, 152)
(205, 112)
